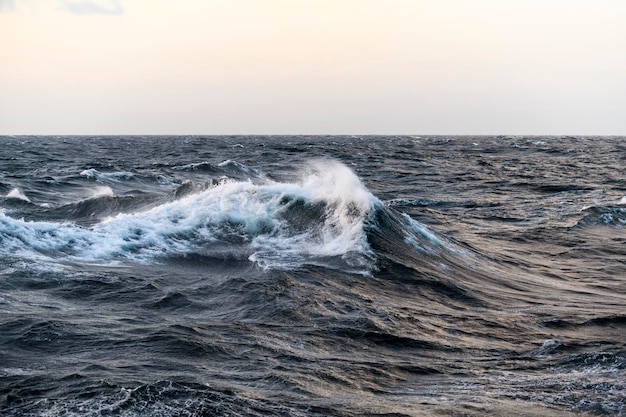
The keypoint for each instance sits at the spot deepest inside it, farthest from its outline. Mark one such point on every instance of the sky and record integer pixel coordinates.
(124, 67)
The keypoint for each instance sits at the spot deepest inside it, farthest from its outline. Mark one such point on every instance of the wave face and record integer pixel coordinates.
(312, 276)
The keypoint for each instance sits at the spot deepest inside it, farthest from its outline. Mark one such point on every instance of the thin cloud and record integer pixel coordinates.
(90, 7)
(7, 6)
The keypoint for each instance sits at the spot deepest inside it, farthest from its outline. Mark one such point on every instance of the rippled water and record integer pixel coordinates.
(312, 276)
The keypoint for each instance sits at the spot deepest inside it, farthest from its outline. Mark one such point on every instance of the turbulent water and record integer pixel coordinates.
(312, 276)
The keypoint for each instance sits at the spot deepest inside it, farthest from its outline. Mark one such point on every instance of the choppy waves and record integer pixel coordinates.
(261, 276)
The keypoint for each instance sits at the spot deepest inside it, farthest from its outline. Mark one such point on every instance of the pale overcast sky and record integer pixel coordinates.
(313, 67)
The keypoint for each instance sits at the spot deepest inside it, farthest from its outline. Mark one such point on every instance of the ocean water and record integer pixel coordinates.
(312, 276)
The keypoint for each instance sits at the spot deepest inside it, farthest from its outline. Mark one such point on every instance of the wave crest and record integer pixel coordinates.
(318, 220)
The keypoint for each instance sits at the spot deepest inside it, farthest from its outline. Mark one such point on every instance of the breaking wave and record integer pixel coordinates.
(327, 218)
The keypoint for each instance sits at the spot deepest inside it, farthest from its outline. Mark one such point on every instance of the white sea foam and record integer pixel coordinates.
(342, 231)
(622, 201)
(106, 176)
(192, 167)
(241, 214)
(17, 193)
(230, 164)
(561, 386)
(102, 191)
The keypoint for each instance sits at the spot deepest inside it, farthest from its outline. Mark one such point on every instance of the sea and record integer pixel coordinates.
(312, 276)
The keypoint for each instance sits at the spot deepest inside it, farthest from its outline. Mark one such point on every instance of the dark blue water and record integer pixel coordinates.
(312, 276)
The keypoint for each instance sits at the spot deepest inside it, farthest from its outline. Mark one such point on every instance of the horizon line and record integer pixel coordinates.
(503, 135)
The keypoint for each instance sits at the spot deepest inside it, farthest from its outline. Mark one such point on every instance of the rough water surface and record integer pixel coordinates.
(312, 276)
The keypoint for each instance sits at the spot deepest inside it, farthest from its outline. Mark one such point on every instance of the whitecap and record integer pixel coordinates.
(237, 167)
(102, 191)
(18, 194)
(276, 225)
(89, 173)
(194, 167)
(107, 176)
